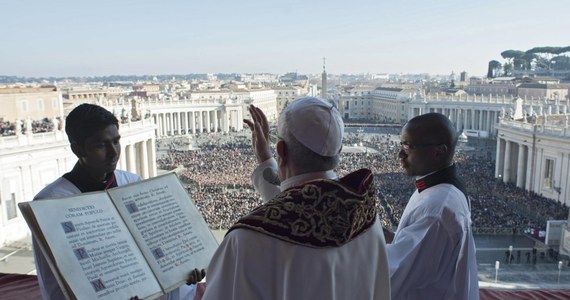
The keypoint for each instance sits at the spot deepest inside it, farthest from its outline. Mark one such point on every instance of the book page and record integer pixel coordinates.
(93, 249)
(171, 233)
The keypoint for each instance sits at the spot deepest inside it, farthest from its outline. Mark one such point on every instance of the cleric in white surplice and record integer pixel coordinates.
(319, 236)
(432, 255)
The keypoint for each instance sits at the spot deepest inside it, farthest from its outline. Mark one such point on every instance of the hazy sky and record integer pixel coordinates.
(105, 37)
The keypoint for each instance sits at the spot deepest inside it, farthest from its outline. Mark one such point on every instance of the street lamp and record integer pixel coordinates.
(497, 264)
(559, 270)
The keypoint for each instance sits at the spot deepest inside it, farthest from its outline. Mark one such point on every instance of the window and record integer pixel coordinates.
(24, 105)
(11, 210)
(40, 104)
(548, 173)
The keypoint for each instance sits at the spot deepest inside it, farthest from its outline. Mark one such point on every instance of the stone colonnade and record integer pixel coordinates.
(180, 121)
(139, 157)
(481, 119)
(512, 162)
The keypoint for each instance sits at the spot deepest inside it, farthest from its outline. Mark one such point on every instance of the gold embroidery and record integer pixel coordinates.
(319, 213)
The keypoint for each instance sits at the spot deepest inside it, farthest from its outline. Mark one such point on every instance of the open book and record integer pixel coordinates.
(138, 239)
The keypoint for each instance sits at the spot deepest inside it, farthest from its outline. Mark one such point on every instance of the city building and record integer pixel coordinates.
(258, 78)
(286, 95)
(536, 90)
(474, 115)
(72, 96)
(386, 104)
(208, 110)
(389, 104)
(146, 90)
(500, 86)
(534, 154)
(355, 103)
(25, 104)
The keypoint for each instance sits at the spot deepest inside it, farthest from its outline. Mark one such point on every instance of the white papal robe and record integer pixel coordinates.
(250, 264)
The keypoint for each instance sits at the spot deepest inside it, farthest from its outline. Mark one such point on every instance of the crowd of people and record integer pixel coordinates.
(501, 205)
(218, 179)
(222, 206)
(8, 128)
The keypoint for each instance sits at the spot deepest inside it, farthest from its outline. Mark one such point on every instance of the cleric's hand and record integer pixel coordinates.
(196, 276)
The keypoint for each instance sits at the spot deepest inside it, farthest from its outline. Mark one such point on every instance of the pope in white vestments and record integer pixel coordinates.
(318, 236)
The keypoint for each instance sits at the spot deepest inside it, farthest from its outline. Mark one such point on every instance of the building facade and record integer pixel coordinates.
(21, 104)
(390, 104)
(208, 111)
(384, 104)
(502, 86)
(543, 91)
(536, 156)
(286, 95)
(355, 103)
(475, 114)
(185, 117)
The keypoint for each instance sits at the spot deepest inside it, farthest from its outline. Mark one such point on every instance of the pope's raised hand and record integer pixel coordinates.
(259, 133)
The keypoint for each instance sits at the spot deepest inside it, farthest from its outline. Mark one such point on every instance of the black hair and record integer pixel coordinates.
(436, 127)
(86, 119)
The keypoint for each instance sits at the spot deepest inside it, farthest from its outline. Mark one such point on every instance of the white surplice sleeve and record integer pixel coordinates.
(266, 189)
(230, 269)
(418, 256)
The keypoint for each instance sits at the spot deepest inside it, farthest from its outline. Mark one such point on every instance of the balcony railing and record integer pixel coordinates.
(548, 130)
(59, 136)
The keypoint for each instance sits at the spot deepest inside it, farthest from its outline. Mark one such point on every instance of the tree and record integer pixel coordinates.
(545, 55)
(526, 60)
(561, 62)
(494, 68)
(508, 69)
(511, 56)
(546, 58)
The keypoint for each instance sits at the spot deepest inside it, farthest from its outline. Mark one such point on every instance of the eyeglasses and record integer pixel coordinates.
(407, 147)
